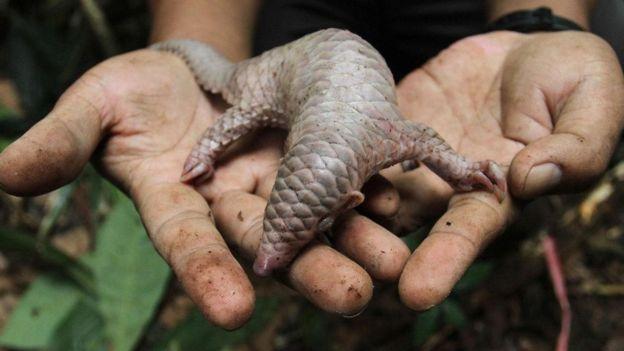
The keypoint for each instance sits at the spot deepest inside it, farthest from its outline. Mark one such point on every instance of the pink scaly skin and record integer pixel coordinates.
(335, 94)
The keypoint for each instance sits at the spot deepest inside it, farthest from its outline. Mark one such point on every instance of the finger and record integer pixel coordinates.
(54, 151)
(423, 195)
(453, 243)
(572, 157)
(178, 220)
(381, 198)
(381, 253)
(328, 279)
(266, 181)
(570, 128)
(331, 281)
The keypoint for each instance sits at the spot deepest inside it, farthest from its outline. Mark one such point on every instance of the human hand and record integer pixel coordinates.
(549, 107)
(143, 112)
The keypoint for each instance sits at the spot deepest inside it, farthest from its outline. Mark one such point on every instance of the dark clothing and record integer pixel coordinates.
(407, 33)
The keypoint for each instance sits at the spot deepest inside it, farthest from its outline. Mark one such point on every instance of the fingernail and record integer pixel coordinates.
(349, 316)
(541, 179)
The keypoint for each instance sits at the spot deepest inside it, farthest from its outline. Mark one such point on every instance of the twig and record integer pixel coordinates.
(100, 27)
(556, 276)
(77, 271)
(600, 193)
(602, 289)
(58, 207)
(437, 338)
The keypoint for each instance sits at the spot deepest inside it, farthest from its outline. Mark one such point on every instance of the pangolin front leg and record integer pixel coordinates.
(233, 124)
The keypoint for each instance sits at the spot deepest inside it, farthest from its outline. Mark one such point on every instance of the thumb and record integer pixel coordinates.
(587, 124)
(54, 151)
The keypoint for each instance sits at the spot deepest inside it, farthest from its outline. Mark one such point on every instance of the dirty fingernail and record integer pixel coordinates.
(542, 178)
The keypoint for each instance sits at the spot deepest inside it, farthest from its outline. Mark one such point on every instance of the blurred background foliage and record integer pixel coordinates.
(77, 271)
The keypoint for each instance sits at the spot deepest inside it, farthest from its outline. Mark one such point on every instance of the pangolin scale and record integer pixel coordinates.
(335, 94)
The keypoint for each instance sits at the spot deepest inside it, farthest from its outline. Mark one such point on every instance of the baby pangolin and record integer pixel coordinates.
(335, 94)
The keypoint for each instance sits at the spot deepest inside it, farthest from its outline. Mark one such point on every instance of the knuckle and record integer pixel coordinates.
(90, 93)
(183, 234)
(249, 239)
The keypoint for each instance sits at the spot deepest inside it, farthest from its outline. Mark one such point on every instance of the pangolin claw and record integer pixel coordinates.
(196, 171)
(492, 178)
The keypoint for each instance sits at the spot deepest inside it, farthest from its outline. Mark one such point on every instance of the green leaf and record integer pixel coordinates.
(196, 333)
(11, 240)
(476, 274)
(453, 313)
(4, 142)
(413, 239)
(6, 112)
(11, 125)
(102, 195)
(426, 325)
(12, 128)
(30, 51)
(130, 276)
(81, 330)
(40, 311)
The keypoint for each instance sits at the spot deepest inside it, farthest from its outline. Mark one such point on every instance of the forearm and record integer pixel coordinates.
(225, 24)
(575, 10)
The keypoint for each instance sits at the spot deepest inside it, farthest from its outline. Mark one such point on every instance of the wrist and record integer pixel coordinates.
(577, 11)
(541, 19)
(224, 24)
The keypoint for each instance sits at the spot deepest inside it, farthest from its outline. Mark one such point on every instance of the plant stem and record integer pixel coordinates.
(557, 278)
(100, 27)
